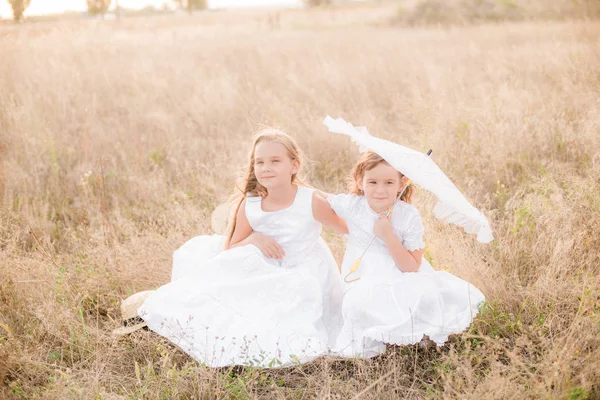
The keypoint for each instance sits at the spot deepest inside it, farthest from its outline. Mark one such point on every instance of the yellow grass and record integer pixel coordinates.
(118, 140)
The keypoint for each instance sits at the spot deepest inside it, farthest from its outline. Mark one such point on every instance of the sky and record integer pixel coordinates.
(39, 7)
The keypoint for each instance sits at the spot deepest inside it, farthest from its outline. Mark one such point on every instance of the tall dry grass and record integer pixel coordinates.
(117, 140)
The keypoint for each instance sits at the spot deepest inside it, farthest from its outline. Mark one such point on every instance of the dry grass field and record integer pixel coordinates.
(117, 140)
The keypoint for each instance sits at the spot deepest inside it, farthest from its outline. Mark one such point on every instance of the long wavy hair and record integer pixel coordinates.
(367, 161)
(249, 185)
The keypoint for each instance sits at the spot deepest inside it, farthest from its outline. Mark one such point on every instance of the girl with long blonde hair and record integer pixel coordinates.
(268, 293)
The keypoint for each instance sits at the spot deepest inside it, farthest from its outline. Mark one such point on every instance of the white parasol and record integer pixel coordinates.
(453, 207)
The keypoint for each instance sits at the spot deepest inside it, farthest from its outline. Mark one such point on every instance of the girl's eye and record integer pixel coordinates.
(275, 161)
(372, 182)
(259, 163)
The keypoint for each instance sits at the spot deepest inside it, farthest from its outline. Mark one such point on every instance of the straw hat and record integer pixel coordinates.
(131, 321)
(220, 217)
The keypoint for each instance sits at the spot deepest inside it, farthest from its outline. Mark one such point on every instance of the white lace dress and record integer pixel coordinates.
(237, 307)
(390, 306)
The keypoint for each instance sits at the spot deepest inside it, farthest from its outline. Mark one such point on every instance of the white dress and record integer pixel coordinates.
(390, 306)
(238, 307)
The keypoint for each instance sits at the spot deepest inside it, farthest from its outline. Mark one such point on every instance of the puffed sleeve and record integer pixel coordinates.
(412, 234)
(341, 203)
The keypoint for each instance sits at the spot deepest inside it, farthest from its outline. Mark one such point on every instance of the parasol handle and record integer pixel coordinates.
(353, 269)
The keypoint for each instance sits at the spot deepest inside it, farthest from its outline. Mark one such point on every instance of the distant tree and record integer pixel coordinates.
(96, 7)
(18, 8)
(192, 5)
(317, 3)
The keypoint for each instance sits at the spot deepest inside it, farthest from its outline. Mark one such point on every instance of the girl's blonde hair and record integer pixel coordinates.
(249, 185)
(367, 162)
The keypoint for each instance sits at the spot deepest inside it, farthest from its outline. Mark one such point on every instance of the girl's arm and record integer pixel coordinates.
(406, 261)
(323, 213)
(243, 235)
(242, 227)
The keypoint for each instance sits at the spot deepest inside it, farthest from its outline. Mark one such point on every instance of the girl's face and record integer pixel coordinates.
(273, 165)
(381, 185)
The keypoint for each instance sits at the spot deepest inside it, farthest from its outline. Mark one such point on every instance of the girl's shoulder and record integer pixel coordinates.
(253, 199)
(302, 197)
(348, 197)
(343, 202)
(406, 209)
(406, 215)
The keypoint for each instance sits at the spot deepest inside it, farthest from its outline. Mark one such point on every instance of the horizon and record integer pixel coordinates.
(45, 7)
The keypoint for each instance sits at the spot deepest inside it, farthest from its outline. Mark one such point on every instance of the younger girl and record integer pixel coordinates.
(399, 297)
(270, 298)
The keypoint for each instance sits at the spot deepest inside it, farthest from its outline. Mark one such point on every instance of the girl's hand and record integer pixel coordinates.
(269, 247)
(383, 227)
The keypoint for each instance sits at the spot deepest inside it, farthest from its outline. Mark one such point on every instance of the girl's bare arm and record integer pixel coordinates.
(242, 228)
(323, 213)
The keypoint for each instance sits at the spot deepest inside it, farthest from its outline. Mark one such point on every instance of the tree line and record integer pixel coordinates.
(100, 7)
